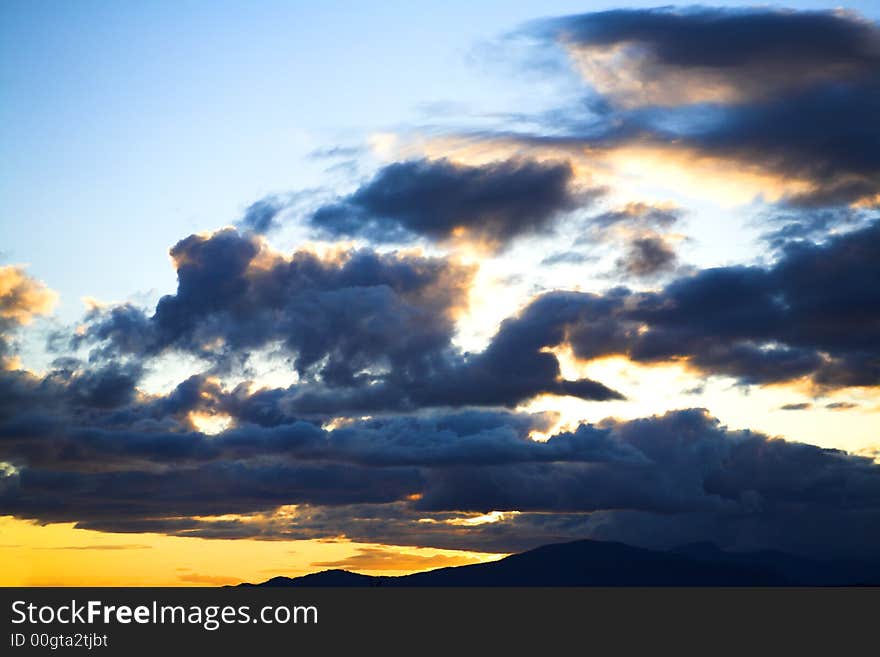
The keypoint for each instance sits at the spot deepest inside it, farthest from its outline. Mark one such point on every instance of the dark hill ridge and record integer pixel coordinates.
(597, 563)
(323, 578)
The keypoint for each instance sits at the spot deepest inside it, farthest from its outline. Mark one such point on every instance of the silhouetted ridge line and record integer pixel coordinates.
(597, 563)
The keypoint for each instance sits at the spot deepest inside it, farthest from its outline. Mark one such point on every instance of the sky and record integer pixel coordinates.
(286, 287)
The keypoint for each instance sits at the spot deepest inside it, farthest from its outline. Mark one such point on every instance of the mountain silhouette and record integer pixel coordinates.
(598, 563)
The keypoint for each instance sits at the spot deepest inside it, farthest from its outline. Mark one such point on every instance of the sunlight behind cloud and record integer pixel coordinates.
(210, 423)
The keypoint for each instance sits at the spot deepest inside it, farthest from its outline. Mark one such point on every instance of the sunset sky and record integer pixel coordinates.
(394, 286)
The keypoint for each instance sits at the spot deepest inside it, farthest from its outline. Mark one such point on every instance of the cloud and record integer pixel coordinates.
(680, 475)
(365, 331)
(118, 440)
(567, 258)
(83, 445)
(745, 87)
(639, 216)
(339, 315)
(187, 492)
(22, 298)
(811, 316)
(692, 464)
(841, 163)
(490, 205)
(643, 232)
(386, 559)
(812, 224)
(260, 216)
(209, 580)
(668, 56)
(335, 152)
(647, 257)
(801, 406)
(392, 433)
(109, 386)
(841, 406)
(112, 546)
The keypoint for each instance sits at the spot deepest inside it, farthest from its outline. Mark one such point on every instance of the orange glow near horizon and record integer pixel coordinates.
(61, 555)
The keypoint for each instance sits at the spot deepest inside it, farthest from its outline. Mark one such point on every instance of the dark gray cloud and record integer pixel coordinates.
(364, 331)
(63, 495)
(841, 161)
(810, 224)
(841, 406)
(744, 85)
(81, 445)
(410, 481)
(647, 257)
(642, 233)
(260, 216)
(568, 258)
(692, 464)
(491, 204)
(758, 51)
(109, 440)
(340, 315)
(337, 152)
(639, 216)
(813, 314)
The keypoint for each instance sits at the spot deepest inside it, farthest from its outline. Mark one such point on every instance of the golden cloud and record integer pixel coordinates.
(378, 558)
(23, 297)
